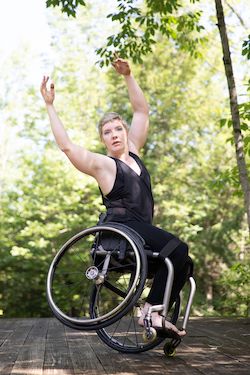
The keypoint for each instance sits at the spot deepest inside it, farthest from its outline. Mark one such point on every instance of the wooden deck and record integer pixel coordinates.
(46, 347)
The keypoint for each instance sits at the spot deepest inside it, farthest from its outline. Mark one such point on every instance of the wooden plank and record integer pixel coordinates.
(231, 337)
(82, 353)
(57, 358)
(156, 362)
(150, 362)
(112, 361)
(212, 347)
(211, 362)
(231, 330)
(46, 347)
(6, 329)
(12, 344)
(31, 354)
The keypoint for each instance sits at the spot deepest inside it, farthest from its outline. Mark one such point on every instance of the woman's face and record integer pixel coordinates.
(115, 136)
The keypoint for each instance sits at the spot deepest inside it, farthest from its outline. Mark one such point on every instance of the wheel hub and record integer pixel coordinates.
(92, 273)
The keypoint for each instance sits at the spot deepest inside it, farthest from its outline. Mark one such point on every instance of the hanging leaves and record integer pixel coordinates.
(67, 6)
(246, 48)
(139, 27)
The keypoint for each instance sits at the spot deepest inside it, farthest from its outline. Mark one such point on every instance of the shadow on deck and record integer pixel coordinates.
(213, 346)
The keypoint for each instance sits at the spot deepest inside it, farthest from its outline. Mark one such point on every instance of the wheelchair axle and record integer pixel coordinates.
(92, 273)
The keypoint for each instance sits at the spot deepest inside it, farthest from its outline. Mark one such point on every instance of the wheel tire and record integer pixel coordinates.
(75, 250)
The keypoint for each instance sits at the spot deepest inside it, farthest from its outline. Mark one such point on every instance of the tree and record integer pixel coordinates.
(236, 123)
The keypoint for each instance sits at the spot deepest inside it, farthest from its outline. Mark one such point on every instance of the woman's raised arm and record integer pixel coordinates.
(88, 162)
(139, 126)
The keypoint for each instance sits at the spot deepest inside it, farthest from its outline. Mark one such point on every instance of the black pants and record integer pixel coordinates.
(157, 238)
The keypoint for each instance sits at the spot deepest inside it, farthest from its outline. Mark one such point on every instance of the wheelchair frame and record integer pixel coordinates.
(111, 272)
(166, 299)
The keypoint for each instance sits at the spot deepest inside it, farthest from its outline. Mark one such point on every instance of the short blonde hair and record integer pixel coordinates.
(109, 117)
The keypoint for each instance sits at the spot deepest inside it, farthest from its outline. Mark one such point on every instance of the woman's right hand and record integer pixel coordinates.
(121, 66)
(48, 95)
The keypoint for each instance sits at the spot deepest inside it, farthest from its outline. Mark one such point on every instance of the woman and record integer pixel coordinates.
(124, 181)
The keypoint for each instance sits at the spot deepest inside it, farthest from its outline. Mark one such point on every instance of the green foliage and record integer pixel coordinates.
(246, 48)
(47, 201)
(235, 296)
(67, 6)
(141, 26)
(234, 281)
(47, 209)
(140, 29)
(244, 111)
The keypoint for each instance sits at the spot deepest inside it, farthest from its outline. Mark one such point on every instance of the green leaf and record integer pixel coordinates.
(244, 126)
(223, 122)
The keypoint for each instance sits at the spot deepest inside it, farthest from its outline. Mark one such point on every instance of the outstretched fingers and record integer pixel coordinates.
(45, 80)
(48, 95)
(43, 84)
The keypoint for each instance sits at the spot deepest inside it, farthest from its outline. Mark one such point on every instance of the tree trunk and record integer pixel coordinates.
(238, 137)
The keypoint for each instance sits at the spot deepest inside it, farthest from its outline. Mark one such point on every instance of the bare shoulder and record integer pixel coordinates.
(89, 162)
(99, 166)
(103, 164)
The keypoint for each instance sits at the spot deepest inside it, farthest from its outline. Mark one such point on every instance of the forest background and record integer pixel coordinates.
(189, 153)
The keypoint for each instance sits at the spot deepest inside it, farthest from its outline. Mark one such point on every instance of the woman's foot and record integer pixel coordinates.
(157, 321)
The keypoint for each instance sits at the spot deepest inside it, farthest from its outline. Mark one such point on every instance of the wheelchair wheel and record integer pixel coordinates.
(125, 335)
(85, 267)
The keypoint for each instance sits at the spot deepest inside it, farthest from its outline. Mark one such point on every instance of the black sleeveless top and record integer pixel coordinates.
(131, 196)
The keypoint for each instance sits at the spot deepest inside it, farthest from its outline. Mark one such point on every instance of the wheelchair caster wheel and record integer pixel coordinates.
(169, 350)
(149, 335)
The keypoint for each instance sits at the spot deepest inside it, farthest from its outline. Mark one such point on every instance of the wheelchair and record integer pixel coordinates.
(99, 280)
